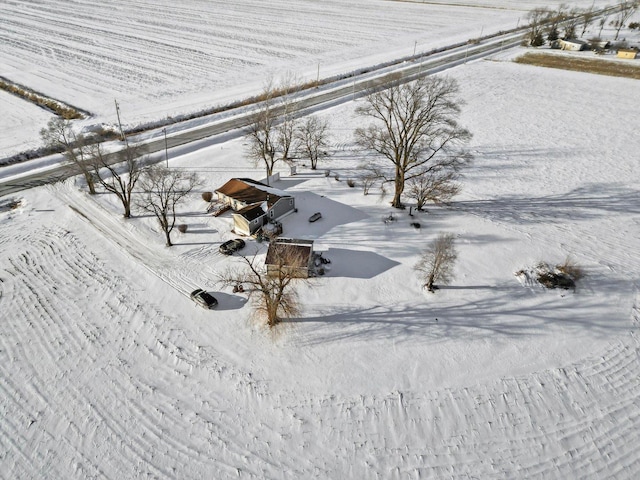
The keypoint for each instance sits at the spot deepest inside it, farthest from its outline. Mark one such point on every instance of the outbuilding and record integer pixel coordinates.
(627, 53)
(573, 44)
(290, 255)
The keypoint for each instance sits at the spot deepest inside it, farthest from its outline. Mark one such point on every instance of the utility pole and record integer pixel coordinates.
(318, 77)
(122, 136)
(415, 44)
(166, 150)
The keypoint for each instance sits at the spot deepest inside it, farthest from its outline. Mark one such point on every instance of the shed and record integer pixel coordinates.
(290, 255)
(628, 53)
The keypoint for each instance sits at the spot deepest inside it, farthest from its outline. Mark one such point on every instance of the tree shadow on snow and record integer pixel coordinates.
(499, 313)
(584, 203)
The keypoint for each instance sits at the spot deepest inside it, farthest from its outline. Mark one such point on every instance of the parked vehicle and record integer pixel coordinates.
(204, 299)
(316, 216)
(230, 246)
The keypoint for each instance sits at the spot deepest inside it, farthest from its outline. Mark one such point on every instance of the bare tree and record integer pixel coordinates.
(415, 127)
(435, 186)
(437, 262)
(59, 135)
(273, 291)
(261, 134)
(625, 10)
(123, 170)
(313, 138)
(601, 24)
(162, 190)
(537, 19)
(571, 20)
(553, 21)
(586, 20)
(271, 133)
(368, 181)
(287, 124)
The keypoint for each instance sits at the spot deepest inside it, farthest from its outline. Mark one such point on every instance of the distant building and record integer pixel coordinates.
(573, 44)
(294, 256)
(627, 53)
(254, 204)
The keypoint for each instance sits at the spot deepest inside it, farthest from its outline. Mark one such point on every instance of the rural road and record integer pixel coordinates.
(18, 177)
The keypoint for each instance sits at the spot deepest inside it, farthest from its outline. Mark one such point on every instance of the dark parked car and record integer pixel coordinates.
(315, 216)
(203, 298)
(231, 246)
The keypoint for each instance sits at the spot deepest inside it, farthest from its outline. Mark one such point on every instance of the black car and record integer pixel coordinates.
(231, 246)
(316, 216)
(203, 298)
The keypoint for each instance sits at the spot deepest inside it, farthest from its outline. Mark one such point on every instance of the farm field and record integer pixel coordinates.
(109, 370)
(163, 59)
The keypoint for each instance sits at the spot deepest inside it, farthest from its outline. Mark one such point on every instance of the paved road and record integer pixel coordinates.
(235, 120)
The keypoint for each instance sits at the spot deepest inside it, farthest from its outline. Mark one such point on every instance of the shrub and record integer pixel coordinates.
(537, 41)
(351, 182)
(207, 196)
(327, 173)
(182, 228)
(437, 261)
(337, 177)
(571, 269)
(562, 276)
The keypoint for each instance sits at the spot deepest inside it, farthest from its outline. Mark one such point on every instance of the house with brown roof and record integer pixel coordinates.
(254, 204)
(292, 256)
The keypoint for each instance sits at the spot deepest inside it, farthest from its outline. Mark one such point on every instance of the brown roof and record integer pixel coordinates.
(289, 253)
(247, 191)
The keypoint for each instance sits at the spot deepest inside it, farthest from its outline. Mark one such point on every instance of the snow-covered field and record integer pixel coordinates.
(20, 123)
(108, 370)
(164, 58)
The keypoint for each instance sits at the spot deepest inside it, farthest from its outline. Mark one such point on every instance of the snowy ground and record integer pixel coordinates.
(109, 370)
(161, 59)
(21, 123)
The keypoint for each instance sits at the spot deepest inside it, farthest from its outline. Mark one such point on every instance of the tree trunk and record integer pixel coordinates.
(399, 188)
(127, 209)
(164, 223)
(429, 284)
(90, 183)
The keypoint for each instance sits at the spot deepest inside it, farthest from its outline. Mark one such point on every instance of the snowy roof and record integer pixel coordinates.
(575, 41)
(251, 191)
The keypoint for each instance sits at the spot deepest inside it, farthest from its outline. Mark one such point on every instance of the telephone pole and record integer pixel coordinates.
(122, 135)
(166, 150)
